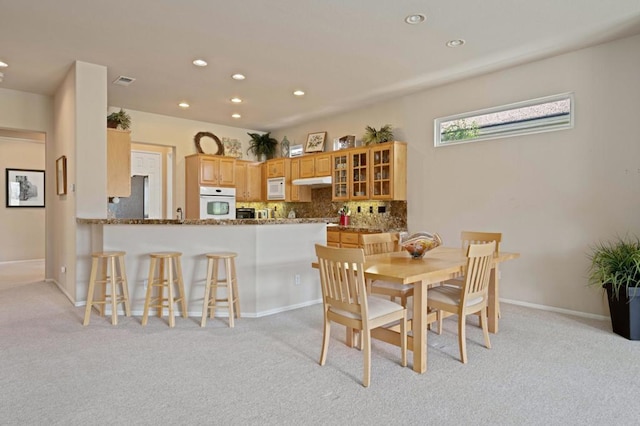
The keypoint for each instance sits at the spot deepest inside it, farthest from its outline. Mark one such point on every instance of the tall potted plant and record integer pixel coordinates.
(263, 146)
(615, 266)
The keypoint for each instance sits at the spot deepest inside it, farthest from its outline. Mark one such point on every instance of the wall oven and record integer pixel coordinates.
(217, 203)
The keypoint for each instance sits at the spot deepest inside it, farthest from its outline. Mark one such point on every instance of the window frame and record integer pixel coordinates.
(517, 131)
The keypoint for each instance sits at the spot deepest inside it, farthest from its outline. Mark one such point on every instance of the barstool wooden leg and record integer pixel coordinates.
(147, 299)
(236, 296)
(114, 292)
(125, 287)
(170, 302)
(92, 285)
(161, 267)
(207, 293)
(228, 279)
(183, 300)
(214, 287)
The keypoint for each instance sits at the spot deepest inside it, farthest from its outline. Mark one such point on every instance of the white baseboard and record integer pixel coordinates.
(8, 262)
(554, 309)
(64, 291)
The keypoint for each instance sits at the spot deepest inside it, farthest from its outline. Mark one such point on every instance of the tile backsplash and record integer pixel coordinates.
(387, 215)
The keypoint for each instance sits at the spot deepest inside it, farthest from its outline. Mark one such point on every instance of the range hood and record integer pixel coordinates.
(314, 182)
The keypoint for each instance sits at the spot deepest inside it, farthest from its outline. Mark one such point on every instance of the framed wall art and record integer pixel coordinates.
(315, 142)
(25, 188)
(61, 175)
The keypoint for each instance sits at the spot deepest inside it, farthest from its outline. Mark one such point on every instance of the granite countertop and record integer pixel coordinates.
(225, 222)
(362, 229)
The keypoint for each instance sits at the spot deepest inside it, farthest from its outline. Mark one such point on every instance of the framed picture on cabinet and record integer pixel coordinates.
(315, 142)
(61, 175)
(25, 188)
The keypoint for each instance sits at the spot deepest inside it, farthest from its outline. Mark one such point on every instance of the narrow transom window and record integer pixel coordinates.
(521, 118)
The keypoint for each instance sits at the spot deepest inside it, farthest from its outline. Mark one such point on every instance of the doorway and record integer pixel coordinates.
(154, 162)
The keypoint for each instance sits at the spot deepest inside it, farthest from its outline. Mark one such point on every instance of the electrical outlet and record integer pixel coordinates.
(382, 209)
(370, 209)
(144, 284)
(63, 269)
(297, 279)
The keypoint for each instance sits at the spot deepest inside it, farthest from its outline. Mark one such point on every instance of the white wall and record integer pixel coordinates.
(30, 112)
(22, 229)
(552, 195)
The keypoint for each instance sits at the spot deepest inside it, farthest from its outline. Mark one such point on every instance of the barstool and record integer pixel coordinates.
(170, 260)
(112, 274)
(211, 300)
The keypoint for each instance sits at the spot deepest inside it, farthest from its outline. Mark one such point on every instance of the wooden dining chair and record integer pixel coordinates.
(346, 302)
(473, 237)
(385, 242)
(472, 297)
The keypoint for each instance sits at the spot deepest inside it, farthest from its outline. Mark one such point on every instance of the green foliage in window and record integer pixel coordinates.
(460, 130)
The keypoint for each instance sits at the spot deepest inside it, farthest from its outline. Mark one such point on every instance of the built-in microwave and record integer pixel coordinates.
(275, 188)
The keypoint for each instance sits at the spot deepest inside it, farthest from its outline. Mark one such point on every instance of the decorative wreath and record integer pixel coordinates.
(200, 135)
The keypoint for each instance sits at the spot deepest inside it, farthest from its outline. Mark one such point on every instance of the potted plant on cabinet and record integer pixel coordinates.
(373, 136)
(616, 267)
(119, 119)
(263, 146)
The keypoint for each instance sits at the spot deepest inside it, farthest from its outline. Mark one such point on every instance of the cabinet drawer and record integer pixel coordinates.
(333, 236)
(349, 238)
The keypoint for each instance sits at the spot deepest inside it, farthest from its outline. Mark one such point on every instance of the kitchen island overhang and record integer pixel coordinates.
(273, 263)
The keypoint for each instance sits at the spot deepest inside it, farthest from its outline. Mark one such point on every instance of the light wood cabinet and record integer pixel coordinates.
(373, 173)
(248, 181)
(315, 165)
(276, 167)
(344, 238)
(298, 193)
(205, 170)
(389, 171)
(118, 163)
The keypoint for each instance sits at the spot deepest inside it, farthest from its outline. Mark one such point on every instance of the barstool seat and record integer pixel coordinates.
(213, 282)
(169, 262)
(110, 264)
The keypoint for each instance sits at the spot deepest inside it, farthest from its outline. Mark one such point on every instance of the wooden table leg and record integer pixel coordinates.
(493, 300)
(419, 327)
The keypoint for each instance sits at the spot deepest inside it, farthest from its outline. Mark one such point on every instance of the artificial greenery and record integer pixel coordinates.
(119, 119)
(262, 144)
(616, 263)
(373, 136)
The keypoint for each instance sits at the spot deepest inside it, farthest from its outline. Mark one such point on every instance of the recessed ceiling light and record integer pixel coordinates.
(455, 43)
(236, 100)
(416, 18)
(238, 76)
(298, 93)
(236, 115)
(183, 105)
(200, 63)
(3, 64)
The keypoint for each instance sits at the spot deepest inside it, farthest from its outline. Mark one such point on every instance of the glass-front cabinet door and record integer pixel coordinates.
(359, 175)
(382, 171)
(340, 176)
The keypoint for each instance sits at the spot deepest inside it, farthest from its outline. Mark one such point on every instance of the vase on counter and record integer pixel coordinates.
(344, 220)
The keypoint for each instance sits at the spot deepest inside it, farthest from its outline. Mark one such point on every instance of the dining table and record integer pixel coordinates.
(437, 265)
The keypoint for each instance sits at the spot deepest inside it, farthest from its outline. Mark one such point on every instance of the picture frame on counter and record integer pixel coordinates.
(61, 175)
(315, 142)
(25, 188)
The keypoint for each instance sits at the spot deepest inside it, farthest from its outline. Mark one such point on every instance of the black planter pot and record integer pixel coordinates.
(625, 312)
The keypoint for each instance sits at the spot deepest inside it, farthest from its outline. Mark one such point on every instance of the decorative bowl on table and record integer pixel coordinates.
(420, 243)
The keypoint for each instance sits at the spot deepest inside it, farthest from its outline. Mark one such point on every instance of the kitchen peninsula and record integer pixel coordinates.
(272, 265)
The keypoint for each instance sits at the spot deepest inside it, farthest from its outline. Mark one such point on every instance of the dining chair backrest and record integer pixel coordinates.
(478, 273)
(471, 237)
(342, 279)
(384, 242)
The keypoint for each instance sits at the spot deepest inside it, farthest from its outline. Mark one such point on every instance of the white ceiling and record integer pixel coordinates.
(342, 53)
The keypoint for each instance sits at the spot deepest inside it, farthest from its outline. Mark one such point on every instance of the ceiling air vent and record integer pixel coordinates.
(124, 81)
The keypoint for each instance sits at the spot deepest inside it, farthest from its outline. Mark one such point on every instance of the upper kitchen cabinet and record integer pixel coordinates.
(248, 181)
(277, 167)
(315, 165)
(298, 193)
(118, 163)
(389, 171)
(210, 170)
(378, 172)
